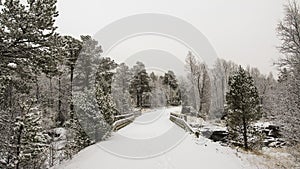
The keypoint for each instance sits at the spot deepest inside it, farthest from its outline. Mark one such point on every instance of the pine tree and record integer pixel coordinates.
(77, 138)
(27, 142)
(92, 107)
(103, 84)
(106, 105)
(120, 88)
(170, 81)
(27, 33)
(27, 41)
(139, 84)
(72, 48)
(242, 105)
(105, 73)
(87, 64)
(31, 140)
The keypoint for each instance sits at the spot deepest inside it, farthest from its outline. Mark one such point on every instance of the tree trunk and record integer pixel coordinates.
(200, 93)
(61, 117)
(10, 91)
(37, 94)
(59, 95)
(137, 100)
(71, 94)
(245, 133)
(170, 95)
(87, 85)
(51, 92)
(97, 135)
(19, 146)
(204, 97)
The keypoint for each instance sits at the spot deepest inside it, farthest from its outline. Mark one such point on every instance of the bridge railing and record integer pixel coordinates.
(180, 120)
(123, 116)
(123, 120)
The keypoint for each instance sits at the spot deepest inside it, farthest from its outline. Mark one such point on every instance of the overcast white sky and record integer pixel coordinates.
(242, 31)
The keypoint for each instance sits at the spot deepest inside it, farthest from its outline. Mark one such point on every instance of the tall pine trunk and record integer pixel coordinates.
(59, 95)
(37, 94)
(138, 100)
(60, 117)
(71, 94)
(50, 101)
(245, 133)
(18, 151)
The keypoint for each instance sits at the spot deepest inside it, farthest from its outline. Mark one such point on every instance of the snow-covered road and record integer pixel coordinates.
(152, 141)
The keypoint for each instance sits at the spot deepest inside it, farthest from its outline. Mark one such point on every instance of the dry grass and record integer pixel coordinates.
(278, 158)
(272, 158)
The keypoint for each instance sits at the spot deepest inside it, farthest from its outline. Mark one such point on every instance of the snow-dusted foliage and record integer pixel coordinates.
(30, 139)
(139, 85)
(58, 95)
(92, 120)
(27, 50)
(243, 106)
(87, 64)
(200, 81)
(26, 142)
(105, 72)
(91, 112)
(158, 93)
(219, 85)
(170, 84)
(106, 105)
(288, 32)
(120, 88)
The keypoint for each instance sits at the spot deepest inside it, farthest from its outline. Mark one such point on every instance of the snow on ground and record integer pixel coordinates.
(150, 124)
(152, 141)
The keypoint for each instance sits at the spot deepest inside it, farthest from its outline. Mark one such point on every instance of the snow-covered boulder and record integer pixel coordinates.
(215, 133)
(12, 65)
(272, 132)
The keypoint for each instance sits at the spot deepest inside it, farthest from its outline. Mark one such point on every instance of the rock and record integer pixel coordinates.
(215, 133)
(272, 133)
(197, 134)
(219, 135)
(206, 133)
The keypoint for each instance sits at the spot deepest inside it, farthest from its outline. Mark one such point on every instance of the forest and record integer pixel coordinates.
(53, 84)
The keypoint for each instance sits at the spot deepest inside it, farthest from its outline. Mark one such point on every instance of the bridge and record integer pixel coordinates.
(155, 140)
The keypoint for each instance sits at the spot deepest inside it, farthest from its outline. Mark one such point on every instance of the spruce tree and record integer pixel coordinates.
(242, 105)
